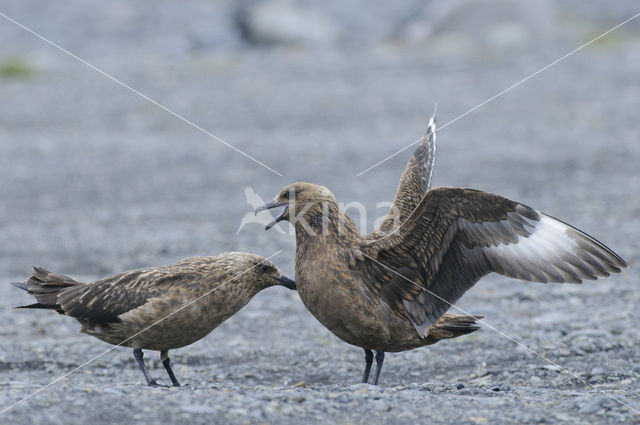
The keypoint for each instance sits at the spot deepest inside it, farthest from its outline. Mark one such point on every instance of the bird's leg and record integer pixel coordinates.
(137, 353)
(166, 361)
(368, 359)
(379, 361)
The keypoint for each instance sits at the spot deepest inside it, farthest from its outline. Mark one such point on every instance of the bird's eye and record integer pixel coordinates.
(265, 267)
(285, 195)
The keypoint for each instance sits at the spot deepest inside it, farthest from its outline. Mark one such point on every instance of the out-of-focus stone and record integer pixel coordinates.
(496, 25)
(284, 22)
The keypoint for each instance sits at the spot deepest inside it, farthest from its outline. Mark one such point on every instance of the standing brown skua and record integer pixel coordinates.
(389, 291)
(158, 308)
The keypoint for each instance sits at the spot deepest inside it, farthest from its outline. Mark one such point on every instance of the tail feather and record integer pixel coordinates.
(43, 307)
(452, 325)
(41, 275)
(45, 286)
(20, 285)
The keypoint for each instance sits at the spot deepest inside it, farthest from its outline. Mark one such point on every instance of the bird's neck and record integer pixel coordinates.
(326, 222)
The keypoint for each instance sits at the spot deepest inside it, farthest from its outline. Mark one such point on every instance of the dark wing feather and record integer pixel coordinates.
(104, 300)
(414, 184)
(457, 236)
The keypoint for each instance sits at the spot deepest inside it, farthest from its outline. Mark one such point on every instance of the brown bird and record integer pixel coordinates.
(158, 308)
(388, 291)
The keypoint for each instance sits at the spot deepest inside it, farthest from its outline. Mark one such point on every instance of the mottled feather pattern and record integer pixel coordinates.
(158, 308)
(118, 307)
(106, 299)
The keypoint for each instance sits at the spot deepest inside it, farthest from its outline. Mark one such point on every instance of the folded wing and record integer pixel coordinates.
(104, 300)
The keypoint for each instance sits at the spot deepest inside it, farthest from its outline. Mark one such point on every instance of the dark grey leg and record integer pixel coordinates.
(137, 353)
(368, 358)
(379, 361)
(166, 361)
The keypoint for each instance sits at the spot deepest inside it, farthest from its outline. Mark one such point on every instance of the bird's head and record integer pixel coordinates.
(301, 201)
(256, 269)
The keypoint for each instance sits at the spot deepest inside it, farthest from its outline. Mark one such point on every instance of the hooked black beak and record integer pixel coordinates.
(268, 206)
(286, 282)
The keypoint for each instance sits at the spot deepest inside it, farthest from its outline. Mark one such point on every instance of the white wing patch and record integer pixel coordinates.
(553, 252)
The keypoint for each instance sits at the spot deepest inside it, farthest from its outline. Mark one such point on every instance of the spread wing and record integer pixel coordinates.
(414, 183)
(457, 236)
(104, 300)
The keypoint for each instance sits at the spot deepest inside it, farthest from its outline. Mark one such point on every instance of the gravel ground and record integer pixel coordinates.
(95, 180)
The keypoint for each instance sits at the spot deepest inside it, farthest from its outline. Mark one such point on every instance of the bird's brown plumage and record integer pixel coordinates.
(388, 291)
(158, 308)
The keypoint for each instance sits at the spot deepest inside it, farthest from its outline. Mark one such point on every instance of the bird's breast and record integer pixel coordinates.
(339, 298)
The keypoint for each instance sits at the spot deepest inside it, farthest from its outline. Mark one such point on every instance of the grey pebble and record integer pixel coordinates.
(500, 387)
(194, 408)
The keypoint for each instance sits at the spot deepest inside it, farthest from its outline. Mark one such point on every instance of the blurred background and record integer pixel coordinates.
(95, 179)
